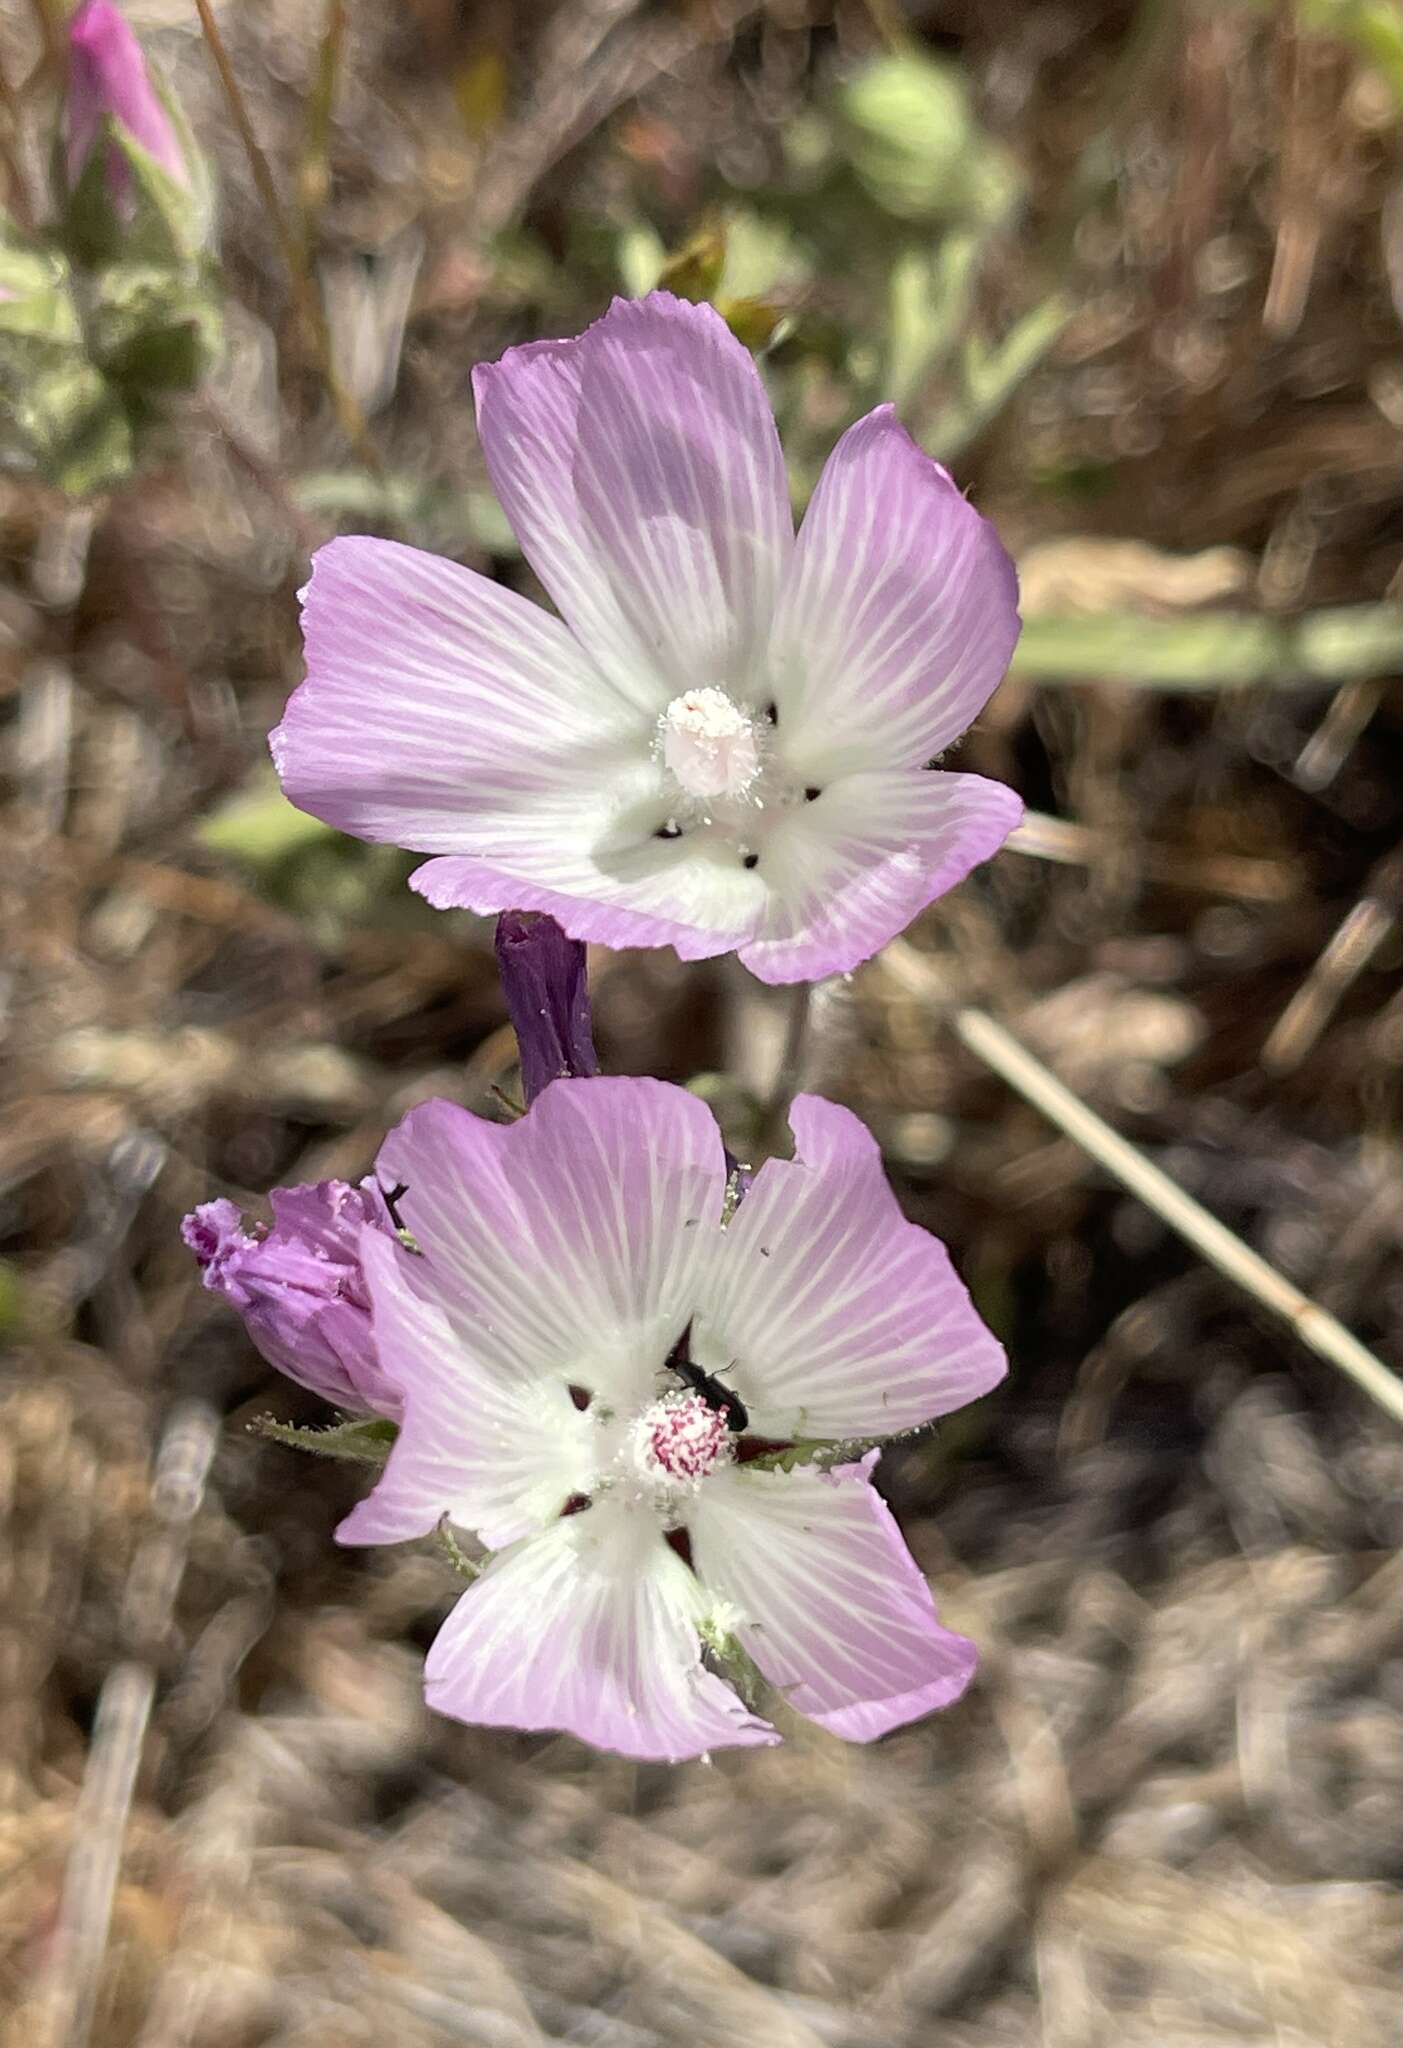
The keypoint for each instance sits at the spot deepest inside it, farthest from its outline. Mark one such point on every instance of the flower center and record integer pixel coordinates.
(674, 1442)
(709, 744)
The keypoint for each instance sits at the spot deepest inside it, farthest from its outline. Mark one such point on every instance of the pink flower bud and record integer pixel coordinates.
(107, 74)
(300, 1289)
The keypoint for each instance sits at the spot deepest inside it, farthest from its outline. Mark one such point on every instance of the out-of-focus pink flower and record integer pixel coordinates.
(723, 742)
(107, 75)
(300, 1287)
(563, 1257)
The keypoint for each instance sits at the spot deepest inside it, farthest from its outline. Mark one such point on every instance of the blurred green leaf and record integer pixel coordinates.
(989, 376)
(11, 1301)
(261, 828)
(1374, 27)
(912, 139)
(448, 519)
(694, 271)
(1215, 650)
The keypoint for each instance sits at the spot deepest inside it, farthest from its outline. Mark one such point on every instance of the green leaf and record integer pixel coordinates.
(913, 141)
(1215, 650)
(259, 826)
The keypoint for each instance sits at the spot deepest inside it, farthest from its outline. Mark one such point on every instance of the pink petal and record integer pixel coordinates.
(849, 871)
(494, 1451)
(835, 1613)
(569, 1243)
(833, 1315)
(444, 713)
(640, 468)
(590, 1628)
(899, 615)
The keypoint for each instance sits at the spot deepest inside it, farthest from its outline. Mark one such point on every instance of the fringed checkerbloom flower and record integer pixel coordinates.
(625, 1481)
(299, 1286)
(723, 743)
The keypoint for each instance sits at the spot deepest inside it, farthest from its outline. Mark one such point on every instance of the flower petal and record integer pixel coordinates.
(641, 470)
(441, 711)
(846, 873)
(493, 1451)
(899, 615)
(834, 1610)
(831, 1315)
(621, 890)
(571, 1243)
(590, 1628)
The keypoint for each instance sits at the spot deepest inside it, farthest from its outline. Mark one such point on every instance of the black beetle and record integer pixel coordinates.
(707, 1384)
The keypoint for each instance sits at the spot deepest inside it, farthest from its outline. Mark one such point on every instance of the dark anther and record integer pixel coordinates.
(752, 860)
(668, 831)
(811, 792)
(576, 1504)
(581, 1396)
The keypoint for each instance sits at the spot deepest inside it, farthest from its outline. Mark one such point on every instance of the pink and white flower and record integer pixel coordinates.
(562, 1258)
(723, 741)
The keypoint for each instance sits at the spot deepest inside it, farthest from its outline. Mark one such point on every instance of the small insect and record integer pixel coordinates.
(707, 1384)
(392, 1197)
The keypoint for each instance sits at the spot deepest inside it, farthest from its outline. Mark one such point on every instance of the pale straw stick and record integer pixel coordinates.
(1329, 1339)
(69, 1990)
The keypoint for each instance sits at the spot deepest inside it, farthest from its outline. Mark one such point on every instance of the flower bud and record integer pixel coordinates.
(108, 79)
(300, 1289)
(547, 993)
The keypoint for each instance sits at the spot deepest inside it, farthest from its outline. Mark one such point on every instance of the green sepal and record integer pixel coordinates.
(365, 1440)
(160, 219)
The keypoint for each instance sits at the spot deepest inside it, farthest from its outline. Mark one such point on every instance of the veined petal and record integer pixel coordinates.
(570, 1244)
(899, 615)
(846, 873)
(590, 1628)
(830, 1313)
(617, 888)
(497, 1453)
(641, 470)
(832, 1607)
(436, 700)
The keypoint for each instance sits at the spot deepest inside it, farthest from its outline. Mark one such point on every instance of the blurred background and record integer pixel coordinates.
(1135, 273)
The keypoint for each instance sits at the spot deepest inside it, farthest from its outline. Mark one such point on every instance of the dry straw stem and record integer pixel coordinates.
(349, 414)
(68, 1999)
(1329, 1339)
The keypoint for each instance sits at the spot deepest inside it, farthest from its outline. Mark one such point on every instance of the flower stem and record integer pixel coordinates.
(793, 1062)
(348, 412)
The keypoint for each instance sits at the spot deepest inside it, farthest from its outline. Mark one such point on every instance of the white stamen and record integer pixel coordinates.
(709, 744)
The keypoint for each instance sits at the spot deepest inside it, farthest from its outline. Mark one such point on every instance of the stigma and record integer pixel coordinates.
(673, 1444)
(709, 745)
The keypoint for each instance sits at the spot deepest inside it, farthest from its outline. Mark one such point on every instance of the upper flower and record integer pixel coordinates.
(550, 1407)
(723, 742)
(108, 78)
(299, 1286)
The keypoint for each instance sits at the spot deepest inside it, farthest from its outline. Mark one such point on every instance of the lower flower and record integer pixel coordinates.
(627, 1483)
